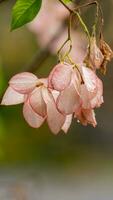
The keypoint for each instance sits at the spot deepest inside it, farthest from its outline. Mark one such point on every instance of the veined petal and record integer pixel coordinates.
(60, 76)
(31, 117)
(37, 102)
(67, 123)
(86, 97)
(87, 116)
(90, 79)
(76, 80)
(54, 118)
(55, 94)
(11, 97)
(90, 117)
(24, 82)
(68, 100)
(98, 98)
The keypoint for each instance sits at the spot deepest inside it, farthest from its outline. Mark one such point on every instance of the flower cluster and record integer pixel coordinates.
(69, 91)
(39, 101)
(72, 90)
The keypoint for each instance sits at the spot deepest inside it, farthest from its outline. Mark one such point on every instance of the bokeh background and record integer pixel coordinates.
(35, 164)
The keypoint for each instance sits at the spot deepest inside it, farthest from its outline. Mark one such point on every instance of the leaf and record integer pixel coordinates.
(24, 11)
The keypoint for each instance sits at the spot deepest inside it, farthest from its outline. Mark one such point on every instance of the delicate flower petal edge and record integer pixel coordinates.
(31, 117)
(24, 82)
(54, 118)
(11, 97)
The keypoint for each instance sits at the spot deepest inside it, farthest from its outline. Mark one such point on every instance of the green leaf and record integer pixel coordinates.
(24, 11)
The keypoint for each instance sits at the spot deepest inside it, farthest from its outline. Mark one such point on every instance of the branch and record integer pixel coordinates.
(1, 1)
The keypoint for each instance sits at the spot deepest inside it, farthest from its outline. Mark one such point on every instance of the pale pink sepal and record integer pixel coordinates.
(68, 100)
(54, 118)
(31, 117)
(11, 97)
(87, 116)
(23, 82)
(90, 79)
(98, 98)
(60, 76)
(37, 103)
(67, 123)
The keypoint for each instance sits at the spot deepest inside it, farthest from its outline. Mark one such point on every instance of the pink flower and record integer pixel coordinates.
(80, 91)
(65, 79)
(69, 90)
(39, 102)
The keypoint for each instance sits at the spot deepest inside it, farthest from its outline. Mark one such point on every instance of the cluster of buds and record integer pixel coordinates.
(70, 91)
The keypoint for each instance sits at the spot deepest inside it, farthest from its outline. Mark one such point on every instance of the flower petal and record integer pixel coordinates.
(24, 82)
(37, 102)
(67, 123)
(11, 97)
(68, 100)
(86, 97)
(60, 76)
(54, 118)
(31, 117)
(87, 116)
(90, 79)
(98, 98)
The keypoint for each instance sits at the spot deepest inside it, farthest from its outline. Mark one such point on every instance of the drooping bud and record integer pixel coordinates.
(96, 57)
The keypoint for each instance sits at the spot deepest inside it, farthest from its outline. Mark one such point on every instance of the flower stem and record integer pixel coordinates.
(67, 40)
(74, 12)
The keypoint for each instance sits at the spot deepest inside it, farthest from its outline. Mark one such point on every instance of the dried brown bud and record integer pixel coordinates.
(108, 55)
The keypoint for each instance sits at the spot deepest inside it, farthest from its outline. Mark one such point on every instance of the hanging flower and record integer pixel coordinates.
(39, 102)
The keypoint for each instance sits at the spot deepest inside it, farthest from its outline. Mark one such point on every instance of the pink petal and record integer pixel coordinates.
(55, 94)
(11, 97)
(87, 116)
(76, 80)
(60, 76)
(98, 98)
(86, 97)
(31, 117)
(90, 79)
(68, 100)
(37, 103)
(67, 123)
(54, 118)
(24, 82)
(90, 117)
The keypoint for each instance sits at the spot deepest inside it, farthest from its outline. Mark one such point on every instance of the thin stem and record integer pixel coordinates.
(69, 9)
(96, 19)
(83, 24)
(99, 11)
(79, 17)
(67, 40)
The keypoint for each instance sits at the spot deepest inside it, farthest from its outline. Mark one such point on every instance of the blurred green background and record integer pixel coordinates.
(83, 149)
